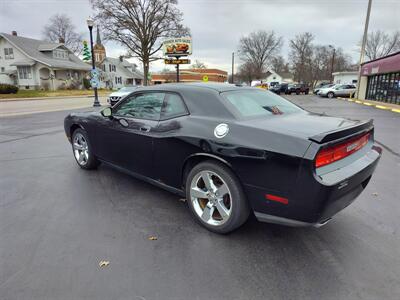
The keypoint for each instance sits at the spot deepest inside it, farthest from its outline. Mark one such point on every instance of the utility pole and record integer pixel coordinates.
(364, 41)
(333, 60)
(233, 67)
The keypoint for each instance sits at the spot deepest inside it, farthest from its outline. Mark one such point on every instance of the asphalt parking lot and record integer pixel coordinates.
(57, 222)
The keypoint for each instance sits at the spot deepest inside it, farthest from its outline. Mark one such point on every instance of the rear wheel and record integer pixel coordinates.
(83, 151)
(215, 197)
(330, 95)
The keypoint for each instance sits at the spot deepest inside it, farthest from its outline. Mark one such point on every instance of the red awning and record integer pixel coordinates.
(386, 64)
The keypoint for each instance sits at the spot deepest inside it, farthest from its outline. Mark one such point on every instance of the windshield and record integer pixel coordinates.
(253, 103)
(127, 89)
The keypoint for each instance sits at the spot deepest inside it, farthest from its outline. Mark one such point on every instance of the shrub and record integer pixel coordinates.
(86, 83)
(8, 88)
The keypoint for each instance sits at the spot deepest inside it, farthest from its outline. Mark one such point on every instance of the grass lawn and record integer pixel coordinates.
(60, 93)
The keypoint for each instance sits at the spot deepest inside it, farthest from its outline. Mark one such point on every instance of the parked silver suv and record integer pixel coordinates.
(343, 90)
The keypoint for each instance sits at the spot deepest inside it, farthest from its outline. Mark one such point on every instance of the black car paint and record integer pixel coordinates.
(272, 155)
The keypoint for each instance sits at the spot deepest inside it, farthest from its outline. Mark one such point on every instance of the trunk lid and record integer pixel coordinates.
(314, 127)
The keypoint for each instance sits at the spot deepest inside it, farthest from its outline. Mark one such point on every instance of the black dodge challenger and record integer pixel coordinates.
(231, 151)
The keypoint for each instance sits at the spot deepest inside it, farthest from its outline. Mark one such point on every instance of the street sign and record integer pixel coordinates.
(177, 46)
(205, 78)
(94, 73)
(170, 61)
(94, 82)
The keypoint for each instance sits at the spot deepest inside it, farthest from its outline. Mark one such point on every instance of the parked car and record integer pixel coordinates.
(298, 88)
(279, 88)
(121, 93)
(262, 86)
(322, 85)
(231, 151)
(273, 83)
(343, 90)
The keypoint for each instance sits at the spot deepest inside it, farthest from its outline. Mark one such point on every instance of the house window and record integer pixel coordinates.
(24, 73)
(116, 80)
(2, 69)
(114, 68)
(8, 53)
(109, 67)
(60, 54)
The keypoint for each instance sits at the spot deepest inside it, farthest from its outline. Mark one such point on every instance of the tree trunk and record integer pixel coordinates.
(145, 72)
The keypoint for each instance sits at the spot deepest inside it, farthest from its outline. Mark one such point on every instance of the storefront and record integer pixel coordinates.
(380, 79)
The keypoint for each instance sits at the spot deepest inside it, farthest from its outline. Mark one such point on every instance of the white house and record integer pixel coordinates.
(114, 72)
(118, 72)
(272, 76)
(348, 77)
(36, 64)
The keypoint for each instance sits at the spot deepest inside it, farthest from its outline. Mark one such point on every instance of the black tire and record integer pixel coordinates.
(330, 95)
(307, 92)
(297, 92)
(91, 162)
(239, 206)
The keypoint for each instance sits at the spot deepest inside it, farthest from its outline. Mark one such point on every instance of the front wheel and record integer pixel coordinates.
(215, 197)
(330, 95)
(83, 151)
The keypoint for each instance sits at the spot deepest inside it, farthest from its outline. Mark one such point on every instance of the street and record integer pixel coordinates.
(57, 222)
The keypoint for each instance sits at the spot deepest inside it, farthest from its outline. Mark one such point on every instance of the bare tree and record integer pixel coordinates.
(247, 72)
(301, 50)
(380, 44)
(60, 28)
(279, 65)
(198, 65)
(140, 25)
(258, 49)
(321, 63)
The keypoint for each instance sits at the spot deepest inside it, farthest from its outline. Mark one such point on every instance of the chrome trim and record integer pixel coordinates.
(285, 221)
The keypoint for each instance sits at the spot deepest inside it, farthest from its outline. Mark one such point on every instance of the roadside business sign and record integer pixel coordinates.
(177, 46)
(170, 61)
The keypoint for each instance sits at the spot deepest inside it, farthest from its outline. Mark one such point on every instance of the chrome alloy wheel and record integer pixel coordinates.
(81, 149)
(211, 198)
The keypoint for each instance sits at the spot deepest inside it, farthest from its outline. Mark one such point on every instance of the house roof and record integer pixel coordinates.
(33, 50)
(124, 64)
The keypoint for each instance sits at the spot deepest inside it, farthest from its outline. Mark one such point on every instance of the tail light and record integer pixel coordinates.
(337, 152)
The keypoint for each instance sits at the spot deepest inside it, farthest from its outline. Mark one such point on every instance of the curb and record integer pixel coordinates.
(379, 106)
(49, 98)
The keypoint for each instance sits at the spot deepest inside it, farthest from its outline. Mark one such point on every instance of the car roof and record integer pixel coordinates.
(194, 86)
(202, 99)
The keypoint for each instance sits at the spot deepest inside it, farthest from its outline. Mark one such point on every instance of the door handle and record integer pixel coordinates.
(145, 128)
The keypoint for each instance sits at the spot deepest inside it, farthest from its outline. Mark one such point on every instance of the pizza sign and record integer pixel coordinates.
(177, 46)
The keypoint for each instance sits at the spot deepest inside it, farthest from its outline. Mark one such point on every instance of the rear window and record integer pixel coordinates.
(258, 103)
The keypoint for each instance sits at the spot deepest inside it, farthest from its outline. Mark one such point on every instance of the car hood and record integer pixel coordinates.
(304, 125)
(119, 94)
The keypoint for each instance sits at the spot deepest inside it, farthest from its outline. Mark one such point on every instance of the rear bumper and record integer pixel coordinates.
(314, 200)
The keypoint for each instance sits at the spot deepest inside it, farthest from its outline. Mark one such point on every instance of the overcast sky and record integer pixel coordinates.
(217, 25)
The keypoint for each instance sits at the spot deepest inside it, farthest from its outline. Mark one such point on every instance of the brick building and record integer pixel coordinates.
(191, 75)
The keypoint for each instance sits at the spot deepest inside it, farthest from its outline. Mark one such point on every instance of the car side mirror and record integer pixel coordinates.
(107, 112)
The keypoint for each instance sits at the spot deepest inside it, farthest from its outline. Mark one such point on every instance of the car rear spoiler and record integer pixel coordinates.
(363, 126)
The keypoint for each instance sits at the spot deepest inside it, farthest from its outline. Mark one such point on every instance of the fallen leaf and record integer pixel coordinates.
(104, 263)
(375, 194)
(153, 238)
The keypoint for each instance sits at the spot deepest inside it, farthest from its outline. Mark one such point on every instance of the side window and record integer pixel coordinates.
(142, 106)
(173, 107)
